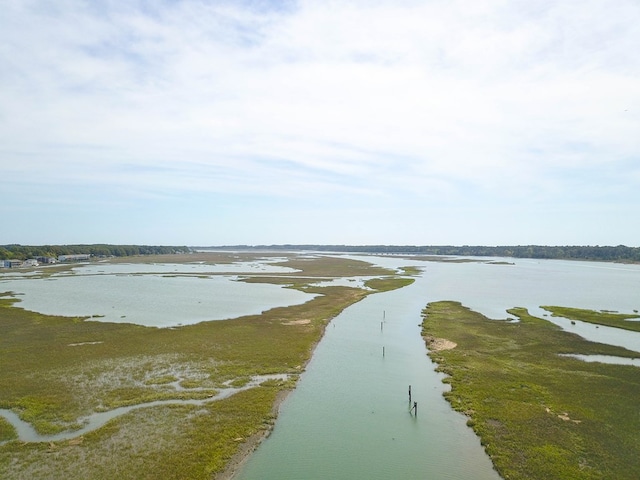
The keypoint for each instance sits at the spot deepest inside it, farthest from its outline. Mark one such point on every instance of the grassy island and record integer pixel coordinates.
(54, 371)
(610, 319)
(539, 414)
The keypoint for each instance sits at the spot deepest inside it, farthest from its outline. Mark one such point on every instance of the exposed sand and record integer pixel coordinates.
(297, 322)
(437, 344)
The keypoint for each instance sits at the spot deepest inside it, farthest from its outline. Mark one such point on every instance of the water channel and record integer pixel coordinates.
(349, 415)
(26, 432)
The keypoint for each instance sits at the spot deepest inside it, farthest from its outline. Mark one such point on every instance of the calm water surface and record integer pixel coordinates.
(349, 415)
(161, 295)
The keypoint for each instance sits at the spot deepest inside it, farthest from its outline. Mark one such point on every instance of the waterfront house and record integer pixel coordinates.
(74, 258)
(46, 260)
(12, 263)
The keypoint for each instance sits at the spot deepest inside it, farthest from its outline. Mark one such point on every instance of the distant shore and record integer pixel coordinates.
(602, 253)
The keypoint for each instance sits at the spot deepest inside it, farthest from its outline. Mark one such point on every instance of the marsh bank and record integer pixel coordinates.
(349, 418)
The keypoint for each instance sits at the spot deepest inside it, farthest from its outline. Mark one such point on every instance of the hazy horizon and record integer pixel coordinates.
(263, 122)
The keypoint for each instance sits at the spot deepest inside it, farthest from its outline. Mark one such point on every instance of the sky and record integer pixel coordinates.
(433, 122)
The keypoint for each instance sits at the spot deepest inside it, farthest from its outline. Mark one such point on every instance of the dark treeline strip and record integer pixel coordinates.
(620, 253)
(23, 252)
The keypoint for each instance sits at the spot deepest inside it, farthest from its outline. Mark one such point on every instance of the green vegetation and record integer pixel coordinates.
(56, 370)
(610, 319)
(22, 252)
(333, 267)
(162, 380)
(170, 442)
(538, 414)
(411, 270)
(386, 284)
(618, 253)
(7, 432)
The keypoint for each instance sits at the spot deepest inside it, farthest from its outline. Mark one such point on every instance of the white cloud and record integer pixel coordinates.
(374, 99)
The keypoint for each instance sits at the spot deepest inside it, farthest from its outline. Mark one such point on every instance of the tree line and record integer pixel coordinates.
(619, 253)
(23, 252)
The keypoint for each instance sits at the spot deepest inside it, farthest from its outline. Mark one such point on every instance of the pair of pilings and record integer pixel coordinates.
(413, 409)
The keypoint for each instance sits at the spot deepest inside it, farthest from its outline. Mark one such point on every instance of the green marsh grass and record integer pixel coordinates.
(610, 319)
(385, 284)
(56, 370)
(410, 270)
(538, 414)
(7, 432)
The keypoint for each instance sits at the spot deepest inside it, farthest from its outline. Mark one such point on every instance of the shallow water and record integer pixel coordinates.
(610, 359)
(349, 415)
(160, 295)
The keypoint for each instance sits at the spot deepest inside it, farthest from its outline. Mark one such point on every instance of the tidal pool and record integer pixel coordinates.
(161, 295)
(609, 359)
